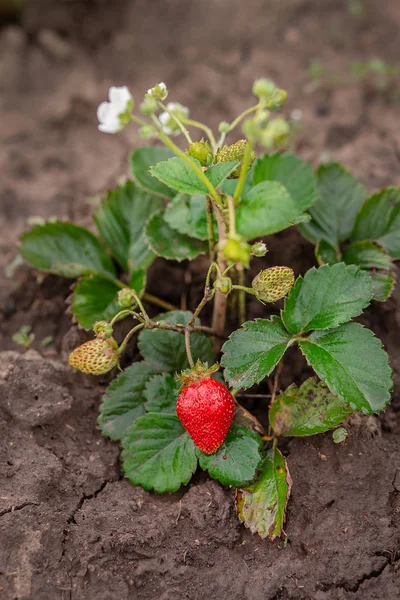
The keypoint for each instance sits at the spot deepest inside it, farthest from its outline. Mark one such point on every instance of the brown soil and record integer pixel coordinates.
(71, 527)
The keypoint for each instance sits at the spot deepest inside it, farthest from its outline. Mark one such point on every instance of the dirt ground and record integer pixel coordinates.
(71, 527)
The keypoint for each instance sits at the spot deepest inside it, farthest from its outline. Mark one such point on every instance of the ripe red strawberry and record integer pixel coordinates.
(205, 409)
(95, 357)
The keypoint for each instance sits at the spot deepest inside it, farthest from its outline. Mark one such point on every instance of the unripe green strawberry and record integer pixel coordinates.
(237, 250)
(205, 409)
(202, 152)
(95, 357)
(272, 284)
(234, 152)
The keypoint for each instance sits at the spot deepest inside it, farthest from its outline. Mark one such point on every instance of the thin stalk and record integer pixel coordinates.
(122, 347)
(243, 288)
(243, 172)
(158, 301)
(220, 300)
(232, 216)
(206, 130)
(188, 349)
(125, 313)
(210, 230)
(242, 297)
(177, 121)
(236, 122)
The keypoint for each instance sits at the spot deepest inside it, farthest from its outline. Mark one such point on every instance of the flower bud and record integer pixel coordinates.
(146, 132)
(202, 152)
(235, 151)
(103, 329)
(224, 127)
(259, 249)
(170, 126)
(278, 100)
(223, 285)
(158, 92)
(272, 284)
(148, 106)
(95, 357)
(126, 298)
(276, 134)
(237, 250)
(264, 88)
(251, 129)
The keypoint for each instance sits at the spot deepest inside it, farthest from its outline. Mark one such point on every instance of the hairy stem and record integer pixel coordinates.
(241, 296)
(243, 172)
(177, 121)
(123, 345)
(188, 348)
(220, 300)
(210, 230)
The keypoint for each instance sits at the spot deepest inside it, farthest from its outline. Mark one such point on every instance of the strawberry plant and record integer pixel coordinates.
(177, 409)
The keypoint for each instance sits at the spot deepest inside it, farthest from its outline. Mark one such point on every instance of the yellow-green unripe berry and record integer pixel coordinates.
(202, 152)
(264, 88)
(278, 100)
(276, 134)
(126, 298)
(95, 357)
(235, 151)
(273, 284)
(223, 285)
(237, 250)
(103, 329)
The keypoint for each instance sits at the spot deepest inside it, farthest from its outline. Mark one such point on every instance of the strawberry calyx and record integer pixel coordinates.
(199, 371)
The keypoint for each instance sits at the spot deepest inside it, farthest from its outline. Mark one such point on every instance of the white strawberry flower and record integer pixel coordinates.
(158, 92)
(170, 126)
(115, 114)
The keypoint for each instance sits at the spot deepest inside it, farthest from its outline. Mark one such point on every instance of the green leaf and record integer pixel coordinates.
(374, 259)
(237, 460)
(265, 209)
(161, 394)
(379, 219)
(179, 175)
(158, 453)
(326, 254)
(333, 214)
(94, 299)
(188, 215)
(65, 249)
(292, 172)
(137, 281)
(229, 185)
(121, 220)
(168, 243)
(353, 364)
(262, 506)
(252, 352)
(326, 297)
(124, 400)
(219, 172)
(165, 350)
(140, 162)
(306, 410)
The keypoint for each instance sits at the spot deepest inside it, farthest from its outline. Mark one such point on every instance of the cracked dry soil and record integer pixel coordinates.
(71, 527)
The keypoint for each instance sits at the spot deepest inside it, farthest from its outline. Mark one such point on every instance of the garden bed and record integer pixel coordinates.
(71, 526)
